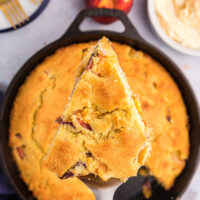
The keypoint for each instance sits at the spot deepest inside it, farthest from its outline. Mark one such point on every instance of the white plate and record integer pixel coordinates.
(29, 8)
(159, 30)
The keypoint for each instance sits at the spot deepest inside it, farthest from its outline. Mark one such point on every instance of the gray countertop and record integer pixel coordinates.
(17, 46)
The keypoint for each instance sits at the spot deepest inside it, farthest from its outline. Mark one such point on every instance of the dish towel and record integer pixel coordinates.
(7, 191)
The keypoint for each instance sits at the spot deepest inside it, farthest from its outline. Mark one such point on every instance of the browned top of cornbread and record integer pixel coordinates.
(43, 97)
(100, 118)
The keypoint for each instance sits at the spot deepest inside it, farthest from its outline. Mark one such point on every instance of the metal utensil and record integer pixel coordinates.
(36, 2)
(14, 12)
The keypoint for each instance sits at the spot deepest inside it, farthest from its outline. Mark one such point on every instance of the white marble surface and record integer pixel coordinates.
(17, 46)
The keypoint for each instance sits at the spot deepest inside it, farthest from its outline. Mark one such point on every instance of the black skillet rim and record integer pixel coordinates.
(130, 37)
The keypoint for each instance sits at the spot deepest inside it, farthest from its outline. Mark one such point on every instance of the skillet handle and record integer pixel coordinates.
(129, 31)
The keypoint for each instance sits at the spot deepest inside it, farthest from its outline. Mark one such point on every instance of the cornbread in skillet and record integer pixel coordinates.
(42, 99)
(101, 120)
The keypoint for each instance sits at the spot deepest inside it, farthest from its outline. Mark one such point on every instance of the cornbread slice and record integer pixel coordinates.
(101, 131)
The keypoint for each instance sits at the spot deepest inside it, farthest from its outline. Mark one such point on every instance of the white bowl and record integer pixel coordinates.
(159, 30)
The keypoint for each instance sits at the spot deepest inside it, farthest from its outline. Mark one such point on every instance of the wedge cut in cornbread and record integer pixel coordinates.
(101, 131)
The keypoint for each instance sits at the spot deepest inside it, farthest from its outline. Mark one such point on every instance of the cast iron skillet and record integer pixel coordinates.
(132, 189)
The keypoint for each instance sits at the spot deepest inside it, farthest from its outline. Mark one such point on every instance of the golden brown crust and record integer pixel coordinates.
(120, 154)
(39, 103)
(65, 151)
(101, 94)
(163, 110)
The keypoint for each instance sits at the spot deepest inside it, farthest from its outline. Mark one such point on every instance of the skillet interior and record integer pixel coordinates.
(131, 38)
